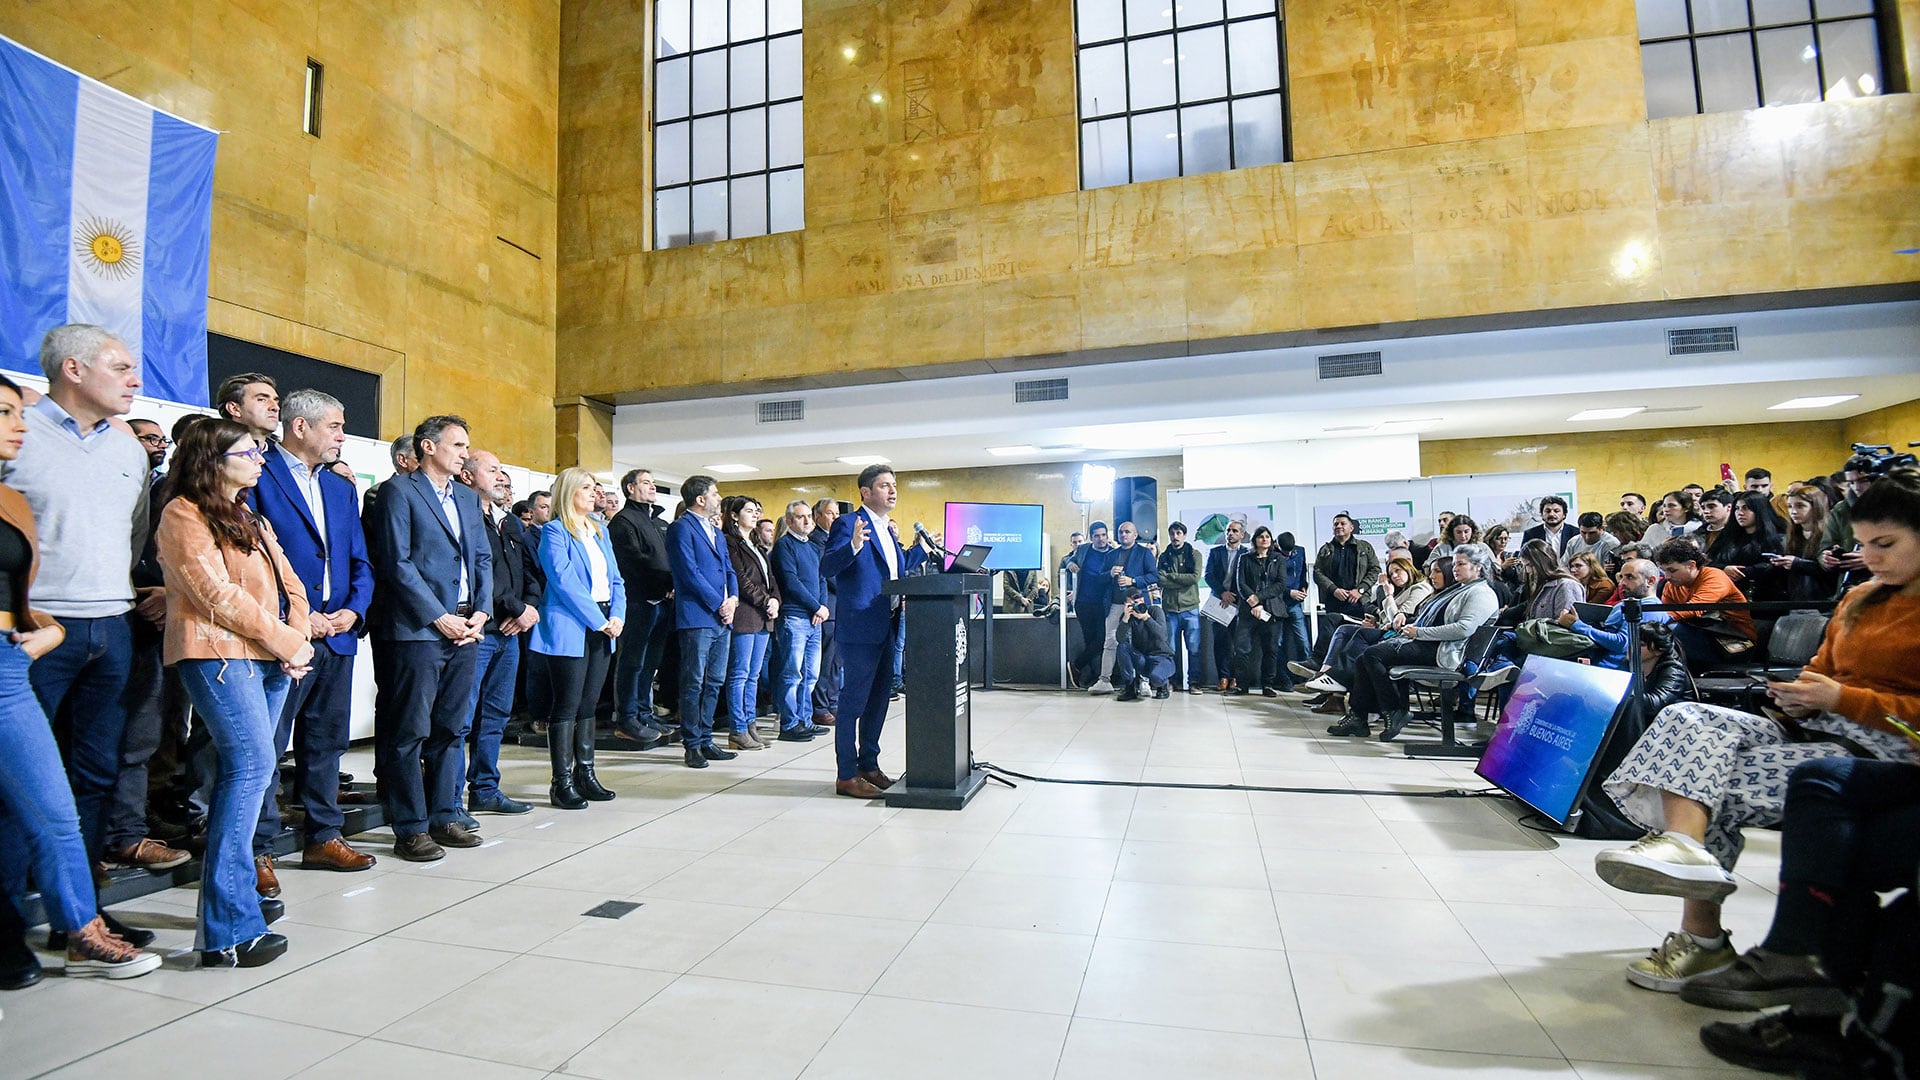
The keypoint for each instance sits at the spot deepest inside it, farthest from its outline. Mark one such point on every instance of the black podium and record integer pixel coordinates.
(940, 773)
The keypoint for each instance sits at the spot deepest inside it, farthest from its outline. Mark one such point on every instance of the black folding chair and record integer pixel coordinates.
(1431, 692)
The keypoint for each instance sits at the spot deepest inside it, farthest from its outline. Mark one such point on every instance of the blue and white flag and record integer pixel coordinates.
(106, 217)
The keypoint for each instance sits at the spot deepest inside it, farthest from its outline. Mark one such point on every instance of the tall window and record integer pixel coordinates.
(1176, 87)
(726, 120)
(1702, 56)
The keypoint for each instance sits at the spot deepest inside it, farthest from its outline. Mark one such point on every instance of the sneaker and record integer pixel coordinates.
(1664, 864)
(1782, 1042)
(1679, 958)
(1324, 684)
(1759, 979)
(92, 952)
(1101, 687)
(1305, 671)
(150, 854)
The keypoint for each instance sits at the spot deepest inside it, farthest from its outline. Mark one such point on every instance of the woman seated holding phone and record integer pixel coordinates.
(1703, 772)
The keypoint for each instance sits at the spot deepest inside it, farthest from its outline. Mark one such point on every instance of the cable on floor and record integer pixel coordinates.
(1449, 793)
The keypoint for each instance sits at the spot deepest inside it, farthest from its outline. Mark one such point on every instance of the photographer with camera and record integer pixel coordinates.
(1142, 648)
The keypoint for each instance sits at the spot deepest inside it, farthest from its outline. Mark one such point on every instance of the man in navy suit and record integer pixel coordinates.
(1553, 527)
(436, 583)
(315, 514)
(705, 592)
(861, 557)
(516, 608)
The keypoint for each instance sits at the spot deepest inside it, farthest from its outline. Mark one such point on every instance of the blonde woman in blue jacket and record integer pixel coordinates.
(582, 613)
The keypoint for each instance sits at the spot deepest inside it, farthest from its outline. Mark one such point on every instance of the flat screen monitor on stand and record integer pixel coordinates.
(1551, 733)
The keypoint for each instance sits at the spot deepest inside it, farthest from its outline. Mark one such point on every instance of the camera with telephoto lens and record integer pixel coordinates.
(1877, 460)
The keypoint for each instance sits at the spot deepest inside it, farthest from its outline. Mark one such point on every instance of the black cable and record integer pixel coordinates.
(1448, 793)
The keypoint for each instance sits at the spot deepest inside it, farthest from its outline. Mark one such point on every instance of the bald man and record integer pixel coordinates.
(516, 608)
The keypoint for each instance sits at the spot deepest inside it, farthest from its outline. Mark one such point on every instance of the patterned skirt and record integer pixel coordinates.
(1733, 763)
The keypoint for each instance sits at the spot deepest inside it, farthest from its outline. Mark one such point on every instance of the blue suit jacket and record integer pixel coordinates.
(418, 560)
(278, 499)
(702, 574)
(864, 615)
(568, 613)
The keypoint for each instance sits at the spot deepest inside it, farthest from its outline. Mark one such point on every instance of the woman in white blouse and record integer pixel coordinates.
(581, 614)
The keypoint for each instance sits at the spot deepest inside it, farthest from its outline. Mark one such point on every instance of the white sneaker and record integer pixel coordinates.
(1304, 671)
(1101, 687)
(1665, 865)
(1325, 684)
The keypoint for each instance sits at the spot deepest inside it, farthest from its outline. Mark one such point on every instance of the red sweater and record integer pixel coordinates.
(1876, 660)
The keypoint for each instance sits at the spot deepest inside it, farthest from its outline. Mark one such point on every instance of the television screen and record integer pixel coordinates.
(1015, 531)
(1550, 732)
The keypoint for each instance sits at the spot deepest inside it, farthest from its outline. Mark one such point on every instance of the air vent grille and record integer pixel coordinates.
(1349, 365)
(1031, 390)
(1694, 340)
(784, 411)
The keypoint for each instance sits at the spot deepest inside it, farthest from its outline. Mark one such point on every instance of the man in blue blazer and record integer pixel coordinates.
(861, 557)
(705, 592)
(315, 514)
(436, 583)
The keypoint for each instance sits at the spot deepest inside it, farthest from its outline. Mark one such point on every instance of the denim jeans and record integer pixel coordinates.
(88, 674)
(642, 643)
(799, 641)
(126, 813)
(499, 665)
(744, 664)
(1293, 642)
(1184, 626)
(703, 669)
(240, 702)
(39, 827)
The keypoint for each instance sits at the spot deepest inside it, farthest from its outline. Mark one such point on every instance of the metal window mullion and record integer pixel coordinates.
(1226, 52)
(1286, 98)
(1753, 48)
(1819, 61)
(766, 126)
(1179, 114)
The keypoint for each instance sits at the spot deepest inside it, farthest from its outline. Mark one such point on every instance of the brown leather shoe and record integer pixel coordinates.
(335, 854)
(823, 719)
(264, 882)
(418, 848)
(454, 834)
(351, 797)
(1335, 705)
(150, 854)
(1224, 683)
(856, 788)
(877, 779)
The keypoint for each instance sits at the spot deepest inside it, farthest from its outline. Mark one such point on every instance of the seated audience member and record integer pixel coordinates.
(1678, 517)
(1263, 607)
(237, 630)
(1593, 540)
(1180, 600)
(1635, 504)
(1437, 636)
(1586, 569)
(1691, 581)
(1505, 579)
(1798, 560)
(1553, 527)
(1746, 550)
(1626, 528)
(39, 827)
(1144, 650)
(1637, 580)
(583, 609)
(1547, 588)
(1398, 546)
(1664, 681)
(1400, 594)
(1702, 772)
(1461, 530)
(1850, 834)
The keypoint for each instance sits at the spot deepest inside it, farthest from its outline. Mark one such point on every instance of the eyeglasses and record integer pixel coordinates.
(252, 452)
(156, 439)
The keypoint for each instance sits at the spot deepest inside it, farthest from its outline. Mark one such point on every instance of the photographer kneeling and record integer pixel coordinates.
(1142, 649)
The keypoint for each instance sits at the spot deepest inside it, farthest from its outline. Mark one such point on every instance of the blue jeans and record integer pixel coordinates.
(703, 669)
(240, 702)
(88, 674)
(1184, 626)
(1293, 642)
(499, 664)
(899, 652)
(39, 827)
(744, 664)
(642, 644)
(799, 670)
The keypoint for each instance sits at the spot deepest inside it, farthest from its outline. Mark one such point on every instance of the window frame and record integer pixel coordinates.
(1876, 18)
(1126, 41)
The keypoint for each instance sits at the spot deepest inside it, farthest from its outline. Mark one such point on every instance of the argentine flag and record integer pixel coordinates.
(106, 217)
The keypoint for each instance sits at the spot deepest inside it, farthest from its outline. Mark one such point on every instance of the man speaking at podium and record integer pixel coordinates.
(861, 557)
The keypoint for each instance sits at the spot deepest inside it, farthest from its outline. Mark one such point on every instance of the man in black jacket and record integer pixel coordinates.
(1553, 527)
(826, 691)
(517, 593)
(639, 540)
(1143, 649)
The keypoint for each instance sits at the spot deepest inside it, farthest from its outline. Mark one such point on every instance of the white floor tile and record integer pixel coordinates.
(771, 1032)
(660, 935)
(1025, 902)
(1412, 930)
(42, 1028)
(936, 1041)
(1429, 1005)
(1192, 864)
(362, 990)
(374, 1058)
(218, 1043)
(1197, 914)
(1359, 1061)
(511, 917)
(1104, 1050)
(1004, 969)
(1191, 986)
(739, 880)
(810, 949)
(1599, 1016)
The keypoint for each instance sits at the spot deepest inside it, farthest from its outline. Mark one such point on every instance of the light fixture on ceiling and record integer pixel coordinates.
(864, 460)
(1193, 436)
(1818, 402)
(1410, 423)
(730, 469)
(1606, 414)
(1012, 451)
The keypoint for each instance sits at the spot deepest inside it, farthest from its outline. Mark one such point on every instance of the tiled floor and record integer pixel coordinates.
(1050, 931)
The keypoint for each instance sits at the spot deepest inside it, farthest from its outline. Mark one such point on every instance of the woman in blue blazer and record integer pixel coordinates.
(581, 615)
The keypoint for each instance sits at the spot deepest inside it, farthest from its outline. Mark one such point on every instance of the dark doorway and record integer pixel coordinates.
(358, 391)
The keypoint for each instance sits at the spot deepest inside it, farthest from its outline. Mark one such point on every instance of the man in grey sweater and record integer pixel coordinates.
(86, 480)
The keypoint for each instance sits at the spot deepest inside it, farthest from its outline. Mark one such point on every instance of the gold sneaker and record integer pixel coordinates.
(1679, 958)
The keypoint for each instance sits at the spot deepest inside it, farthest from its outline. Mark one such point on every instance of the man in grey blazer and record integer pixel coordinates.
(435, 570)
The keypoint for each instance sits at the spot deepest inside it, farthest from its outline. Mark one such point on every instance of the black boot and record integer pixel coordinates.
(583, 779)
(562, 794)
(19, 968)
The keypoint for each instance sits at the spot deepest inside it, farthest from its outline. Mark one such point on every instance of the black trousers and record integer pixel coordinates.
(576, 681)
(315, 722)
(1257, 644)
(1372, 691)
(826, 690)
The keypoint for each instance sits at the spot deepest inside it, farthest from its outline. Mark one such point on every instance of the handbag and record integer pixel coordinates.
(1730, 639)
(1544, 637)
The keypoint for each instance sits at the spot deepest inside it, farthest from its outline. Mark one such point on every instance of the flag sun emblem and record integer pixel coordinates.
(107, 248)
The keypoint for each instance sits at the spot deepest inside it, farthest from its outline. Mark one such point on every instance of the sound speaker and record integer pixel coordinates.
(1137, 499)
